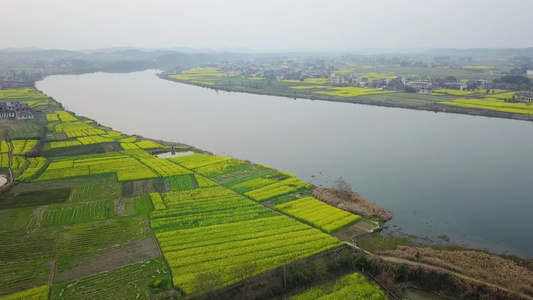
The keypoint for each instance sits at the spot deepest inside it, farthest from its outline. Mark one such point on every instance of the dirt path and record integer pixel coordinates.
(459, 275)
(53, 270)
(420, 264)
(119, 206)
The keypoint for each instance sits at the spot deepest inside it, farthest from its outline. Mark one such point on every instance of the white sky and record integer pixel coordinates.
(266, 25)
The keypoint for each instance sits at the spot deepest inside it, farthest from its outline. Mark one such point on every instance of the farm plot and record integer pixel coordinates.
(162, 166)
(125, 167)
(128, 282)
(183, 182)
(205, 207)
(197, 160)
(34, 198)
(70, 213)
(21, 147)
(353, 286)
(4, 160)
(318, 214)
(94, 139)
(35, 164)
(246, 172)
(25, 93)
(204, 182)
(264, 243)
(18, 163)
(157, 201)
(351, 92)
(65, 116)
(5, 147)
(279, 188)
(19, 129)
(107, 189)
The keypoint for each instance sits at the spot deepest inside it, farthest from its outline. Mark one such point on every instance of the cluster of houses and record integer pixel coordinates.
(16, 110)
(9, 82)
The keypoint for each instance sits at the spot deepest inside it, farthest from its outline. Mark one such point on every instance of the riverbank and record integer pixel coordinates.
(386, 100)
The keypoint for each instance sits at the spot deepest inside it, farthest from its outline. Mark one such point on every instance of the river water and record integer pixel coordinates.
(468, 178)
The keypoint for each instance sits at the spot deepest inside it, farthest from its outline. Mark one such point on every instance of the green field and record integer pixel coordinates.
(128, 282)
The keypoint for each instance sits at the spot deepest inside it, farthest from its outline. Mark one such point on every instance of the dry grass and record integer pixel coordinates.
(479, 265)
(351, 202)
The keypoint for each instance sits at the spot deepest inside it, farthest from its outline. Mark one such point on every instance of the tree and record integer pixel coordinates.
(243, 271)
(451, 79)
(408, 89)
(344, 189)
(206, 282)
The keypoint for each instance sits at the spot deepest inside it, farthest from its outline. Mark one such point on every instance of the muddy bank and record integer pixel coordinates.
(352, 202)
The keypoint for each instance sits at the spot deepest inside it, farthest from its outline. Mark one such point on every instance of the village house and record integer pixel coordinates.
(17, 110)
(524, 97)
(529, 73)
(422, 87)
(336, 79)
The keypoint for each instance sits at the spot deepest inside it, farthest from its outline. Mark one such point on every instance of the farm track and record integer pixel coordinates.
(53, 271)
(440, 269)
(459, 275)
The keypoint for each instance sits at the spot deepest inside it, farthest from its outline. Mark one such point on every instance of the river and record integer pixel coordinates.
(463, 177)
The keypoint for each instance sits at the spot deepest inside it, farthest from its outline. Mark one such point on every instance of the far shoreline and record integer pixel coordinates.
(434, 107)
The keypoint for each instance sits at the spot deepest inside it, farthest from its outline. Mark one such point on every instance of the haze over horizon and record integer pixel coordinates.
(272, 25)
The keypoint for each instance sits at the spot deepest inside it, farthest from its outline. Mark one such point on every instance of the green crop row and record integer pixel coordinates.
(4, 160)
(38, 293)
(23, 93)
(67, 213)
(54, 145)
(83, 132)
(204, 182)
(162, 166)
(5, 147)
(276, 189)
(96, 139)
(35, 165)
(157, 201)
(65, 116)
(197, 160)
(181, 182)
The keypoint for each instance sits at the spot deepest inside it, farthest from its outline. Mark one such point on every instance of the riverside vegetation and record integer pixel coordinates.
(90, 213)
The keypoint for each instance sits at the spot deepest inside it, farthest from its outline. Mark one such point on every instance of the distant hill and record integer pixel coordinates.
(485, 52)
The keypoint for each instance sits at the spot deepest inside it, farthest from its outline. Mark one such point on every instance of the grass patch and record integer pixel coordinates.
(377, 242)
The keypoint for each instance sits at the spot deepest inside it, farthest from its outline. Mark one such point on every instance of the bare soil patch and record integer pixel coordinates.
(351, 202)
(114, 257)
(358, 228)
(119, 206)
(141, 188)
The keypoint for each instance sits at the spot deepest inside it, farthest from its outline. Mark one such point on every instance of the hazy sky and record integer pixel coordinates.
(272, 24)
